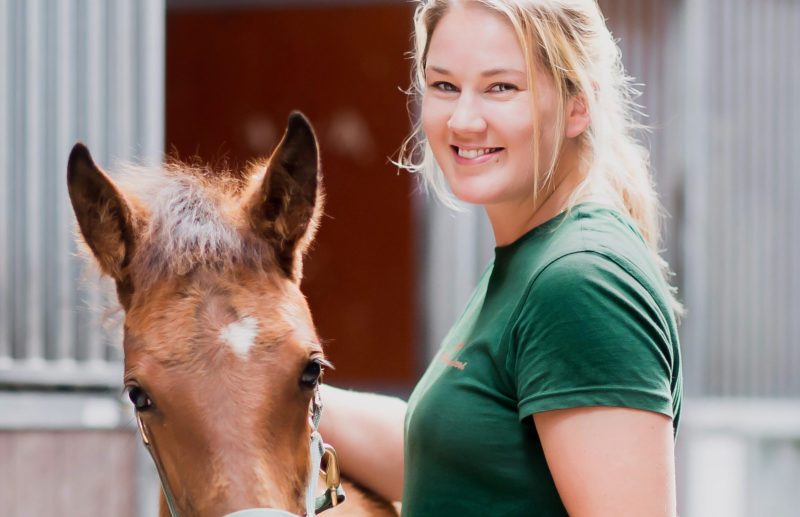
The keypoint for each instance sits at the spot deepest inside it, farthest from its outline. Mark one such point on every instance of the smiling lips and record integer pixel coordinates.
(474, 156)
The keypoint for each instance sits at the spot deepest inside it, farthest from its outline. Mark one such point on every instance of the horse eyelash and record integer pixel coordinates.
(325, 363)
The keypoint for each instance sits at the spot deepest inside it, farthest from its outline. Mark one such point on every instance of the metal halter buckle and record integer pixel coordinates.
(331, 473)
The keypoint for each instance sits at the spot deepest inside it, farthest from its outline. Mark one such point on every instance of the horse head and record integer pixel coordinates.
(221, 356)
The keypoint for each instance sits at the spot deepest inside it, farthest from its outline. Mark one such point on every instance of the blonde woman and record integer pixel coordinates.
(558, 391)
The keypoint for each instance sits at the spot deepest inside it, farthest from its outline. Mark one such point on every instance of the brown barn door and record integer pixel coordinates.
(232, 78)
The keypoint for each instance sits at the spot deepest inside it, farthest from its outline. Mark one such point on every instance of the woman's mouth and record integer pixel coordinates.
(475, 156)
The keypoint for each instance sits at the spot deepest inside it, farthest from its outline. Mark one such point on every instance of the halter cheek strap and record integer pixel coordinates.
(334, 493)
(148, 444)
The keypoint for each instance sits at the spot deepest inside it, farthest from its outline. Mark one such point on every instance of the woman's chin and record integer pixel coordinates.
(485, 186)
(473, 193)
(472, 198)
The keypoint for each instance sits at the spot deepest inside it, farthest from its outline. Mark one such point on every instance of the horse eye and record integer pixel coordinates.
(141, 401)
(311, 374)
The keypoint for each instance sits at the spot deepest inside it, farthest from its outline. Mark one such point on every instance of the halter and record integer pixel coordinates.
(334, 493)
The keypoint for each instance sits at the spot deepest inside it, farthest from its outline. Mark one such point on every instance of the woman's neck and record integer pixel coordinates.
(512, 220)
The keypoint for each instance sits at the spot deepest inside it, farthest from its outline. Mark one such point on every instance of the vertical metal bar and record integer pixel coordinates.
(734, 284)
(721, 336)
(64, 70)
(46, 195)
(749, 367)
(785, 133)
(763, 203)
(730, 291)
(721, 218)
(761, 177)
(635, 32)
(784, 130)
(770, 264)
(33, 177)
(793, 147)
(672, 154)
(112, 129)
(121, 79)
(152, 43)
(51, 187)
(782, 65)
(740, 378)
(739, 375)
(726, 342)
(5, 172)
(755, 192)
(95, 105)
(654, 45)
(783, 45)
(696, 117)
(789, 107)
(16, 139)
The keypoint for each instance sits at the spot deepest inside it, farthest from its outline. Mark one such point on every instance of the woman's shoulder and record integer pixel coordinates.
(598, 274)
(596, 227)
(591, 251)
(594, 238)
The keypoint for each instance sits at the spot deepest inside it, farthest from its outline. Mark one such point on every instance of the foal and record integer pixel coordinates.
(221, 357)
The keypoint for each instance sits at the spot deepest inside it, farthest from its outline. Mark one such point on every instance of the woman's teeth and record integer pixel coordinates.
(474, 153)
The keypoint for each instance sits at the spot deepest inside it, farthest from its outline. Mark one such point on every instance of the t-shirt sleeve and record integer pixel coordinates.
(588, 333)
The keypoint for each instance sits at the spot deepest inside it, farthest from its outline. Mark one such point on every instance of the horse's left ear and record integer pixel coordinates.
(104, 216)
(286, 207)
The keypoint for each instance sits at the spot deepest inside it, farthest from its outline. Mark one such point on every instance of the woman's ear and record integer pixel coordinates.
(578, 118)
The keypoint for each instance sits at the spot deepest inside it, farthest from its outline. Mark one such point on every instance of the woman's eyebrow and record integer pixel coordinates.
(486, 73)
(502, 71)
(438, 70)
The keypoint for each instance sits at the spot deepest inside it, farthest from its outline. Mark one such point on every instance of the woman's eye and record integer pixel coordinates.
(443, 86)
(311, 374)
(502, 87)
(141, 401)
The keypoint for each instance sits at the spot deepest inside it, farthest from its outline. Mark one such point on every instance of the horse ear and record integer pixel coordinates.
(104, 217)
(285, 208)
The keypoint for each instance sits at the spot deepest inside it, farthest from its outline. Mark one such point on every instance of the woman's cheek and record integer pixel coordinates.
(434, 116)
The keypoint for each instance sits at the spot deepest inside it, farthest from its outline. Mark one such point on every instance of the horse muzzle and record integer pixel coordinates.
(321, 453)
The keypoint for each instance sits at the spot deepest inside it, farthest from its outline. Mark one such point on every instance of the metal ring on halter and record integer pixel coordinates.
(334, 492)
(331, 472)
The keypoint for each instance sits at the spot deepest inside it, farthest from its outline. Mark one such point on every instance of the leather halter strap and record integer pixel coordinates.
(334, 493)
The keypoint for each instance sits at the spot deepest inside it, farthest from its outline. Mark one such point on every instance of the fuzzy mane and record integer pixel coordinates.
(191, 217)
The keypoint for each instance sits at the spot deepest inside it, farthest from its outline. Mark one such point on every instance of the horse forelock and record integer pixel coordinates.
(191, 218)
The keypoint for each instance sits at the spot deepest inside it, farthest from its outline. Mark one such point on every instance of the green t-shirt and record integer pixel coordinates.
(574, 313)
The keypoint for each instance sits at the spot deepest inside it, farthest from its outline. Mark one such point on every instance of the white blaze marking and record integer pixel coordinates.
(240, 335)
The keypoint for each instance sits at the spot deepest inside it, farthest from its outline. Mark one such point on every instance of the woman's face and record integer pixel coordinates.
(478, 109)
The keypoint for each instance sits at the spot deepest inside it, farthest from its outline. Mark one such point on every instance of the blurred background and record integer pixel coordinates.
(390, 270)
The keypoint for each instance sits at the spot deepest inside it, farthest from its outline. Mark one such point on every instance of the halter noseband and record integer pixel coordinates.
(334, 493)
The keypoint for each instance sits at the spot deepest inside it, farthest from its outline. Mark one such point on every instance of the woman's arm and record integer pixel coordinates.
(367, 431)
(610, 461)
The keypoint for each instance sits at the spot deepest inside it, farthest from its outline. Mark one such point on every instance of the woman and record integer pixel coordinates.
(558, 391)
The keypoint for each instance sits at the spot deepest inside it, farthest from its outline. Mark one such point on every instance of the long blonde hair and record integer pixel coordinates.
(571, 42)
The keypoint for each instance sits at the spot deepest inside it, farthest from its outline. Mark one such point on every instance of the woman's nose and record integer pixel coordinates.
(466, 118)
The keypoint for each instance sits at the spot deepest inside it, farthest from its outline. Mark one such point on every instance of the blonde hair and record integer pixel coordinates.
(570, 41)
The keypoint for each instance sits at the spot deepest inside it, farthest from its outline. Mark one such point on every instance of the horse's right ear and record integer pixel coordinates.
(286, 206)
(104, 217)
